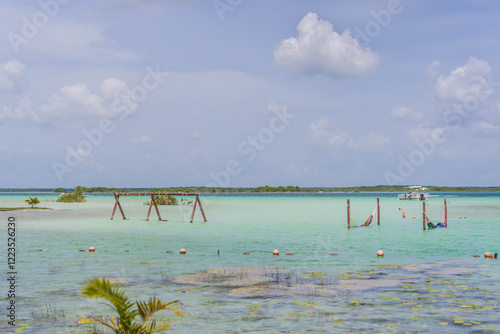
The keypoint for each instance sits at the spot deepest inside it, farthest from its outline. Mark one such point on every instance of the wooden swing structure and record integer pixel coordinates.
(153, 202)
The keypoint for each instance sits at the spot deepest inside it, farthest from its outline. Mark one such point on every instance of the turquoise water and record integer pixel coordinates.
(427, 280)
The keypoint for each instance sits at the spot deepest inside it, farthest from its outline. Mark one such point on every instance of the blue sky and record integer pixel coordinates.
(138, 93)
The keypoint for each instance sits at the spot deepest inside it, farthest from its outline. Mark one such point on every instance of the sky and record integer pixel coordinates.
(239, 93)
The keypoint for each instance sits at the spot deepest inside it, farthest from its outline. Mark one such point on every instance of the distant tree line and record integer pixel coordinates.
(282, 189)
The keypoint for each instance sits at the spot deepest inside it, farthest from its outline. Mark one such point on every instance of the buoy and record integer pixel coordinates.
(91, 249)
(289, 253)
(218, 252)
(168, 252)
(404, 215)
(380, 253)
(125, 251)
(276, 252)
(182, 251)
(333, 254)
(414, 217)
(246, 253)
(476, 255)
(400, 209)
(487, 254)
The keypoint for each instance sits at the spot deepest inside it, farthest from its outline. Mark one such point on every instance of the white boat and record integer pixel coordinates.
(415, 193)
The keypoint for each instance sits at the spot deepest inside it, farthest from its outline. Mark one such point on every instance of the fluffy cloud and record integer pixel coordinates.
(486, 129)
(431, 71)
(22, 111)
(78, 102)
(65, 38)
(401, 113)
(12, 76)
(372, 141)
(318, 49)
(464, 82)
(321, 134)
(140, 140)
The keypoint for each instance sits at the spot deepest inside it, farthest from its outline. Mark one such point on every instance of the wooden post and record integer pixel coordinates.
(149, 208)
(348, 213)
(114, 207)
(117, 203)
(445, 214)
(194, 209)
(378, 211)
(201, 208)
(156, 207)
(423, 213)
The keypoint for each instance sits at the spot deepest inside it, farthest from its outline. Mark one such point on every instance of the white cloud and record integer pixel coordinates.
(197, 135)
(372, 141)
(66, 38)
(401, 113)
(144, 139)
(12, 76)
(486, 129)
(77, 101)
(464, 82)
(321, 134)
(294, 170)
(431, 71)
(320, 50)
(22, 111)
(422, 133)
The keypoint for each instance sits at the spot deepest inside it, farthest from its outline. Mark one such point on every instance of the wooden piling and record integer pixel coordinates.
(445, 213)
(423, 213)
(378, 211)
(201, 209)
(117, 204)
(348, 213)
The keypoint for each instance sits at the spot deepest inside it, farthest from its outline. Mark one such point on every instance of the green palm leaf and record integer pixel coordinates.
(125, 323)
(102, 288)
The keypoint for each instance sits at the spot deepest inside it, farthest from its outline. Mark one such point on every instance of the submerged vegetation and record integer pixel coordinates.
(128, 311)
(75, 196)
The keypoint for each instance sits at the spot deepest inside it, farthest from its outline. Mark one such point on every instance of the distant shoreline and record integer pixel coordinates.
(263, 189)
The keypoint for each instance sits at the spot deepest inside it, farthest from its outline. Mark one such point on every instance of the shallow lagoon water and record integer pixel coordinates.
(427, 281)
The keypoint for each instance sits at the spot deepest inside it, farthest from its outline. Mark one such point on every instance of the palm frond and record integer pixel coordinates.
(103, 288)
(99, 321)
(146, 309)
